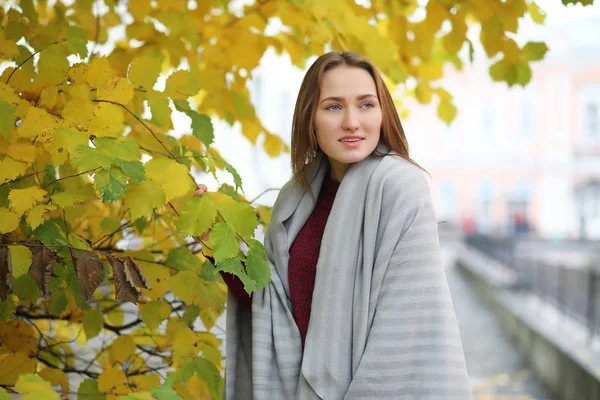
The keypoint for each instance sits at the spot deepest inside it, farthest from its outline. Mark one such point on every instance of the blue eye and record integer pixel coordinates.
(332, 106)
(370, 105)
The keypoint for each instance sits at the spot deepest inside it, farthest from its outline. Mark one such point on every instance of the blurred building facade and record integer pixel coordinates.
(520, 159)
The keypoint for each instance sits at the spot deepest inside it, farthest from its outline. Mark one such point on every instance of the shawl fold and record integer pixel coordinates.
(382, 324)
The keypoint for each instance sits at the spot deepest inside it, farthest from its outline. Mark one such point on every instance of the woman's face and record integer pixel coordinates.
(348, 117)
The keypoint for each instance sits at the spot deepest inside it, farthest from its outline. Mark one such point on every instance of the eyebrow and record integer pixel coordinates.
(336, 98)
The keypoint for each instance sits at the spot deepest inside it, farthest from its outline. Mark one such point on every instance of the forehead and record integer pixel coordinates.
(347, 81)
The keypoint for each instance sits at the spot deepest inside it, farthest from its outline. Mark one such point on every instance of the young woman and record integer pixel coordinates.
(358, 305)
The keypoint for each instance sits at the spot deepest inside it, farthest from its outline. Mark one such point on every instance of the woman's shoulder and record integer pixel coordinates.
(400, 176)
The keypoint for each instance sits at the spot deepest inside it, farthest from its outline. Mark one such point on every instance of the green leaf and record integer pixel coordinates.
(181, 258)
(143, 198)
(197, 216)
(166, 392)
(58, 302)
(88, 390)
(50, 234)
(190, 315)
(134, 169)
(523, 73)
(242, 218)
(234, 266)
(202, 127)
(111, 184)
(34, 387)
(225, 241)
(126, 150)
(237, 179)
(26, 289)
(4, 395)
(77, 41)
(155, 312)
(256, 263)
(243, 109)
(499, 70)
(93, 321)
(534, 51)
(7, 119)
(211, 375)
(86, 158)
(159, 107)
(7, 309)
(20, 257)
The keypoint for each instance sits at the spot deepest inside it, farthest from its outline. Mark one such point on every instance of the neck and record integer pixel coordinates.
(338, 170)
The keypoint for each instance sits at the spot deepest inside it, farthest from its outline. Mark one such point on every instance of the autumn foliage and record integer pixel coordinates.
(105, 288)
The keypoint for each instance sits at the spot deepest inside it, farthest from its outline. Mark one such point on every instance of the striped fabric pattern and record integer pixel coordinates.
(382, 324)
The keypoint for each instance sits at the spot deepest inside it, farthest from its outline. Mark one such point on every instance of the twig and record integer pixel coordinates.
(30, 57)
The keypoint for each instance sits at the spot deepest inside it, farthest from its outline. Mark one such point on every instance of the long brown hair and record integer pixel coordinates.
(304, 139)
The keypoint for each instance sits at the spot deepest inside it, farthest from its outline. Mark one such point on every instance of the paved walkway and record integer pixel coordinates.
(496, 367)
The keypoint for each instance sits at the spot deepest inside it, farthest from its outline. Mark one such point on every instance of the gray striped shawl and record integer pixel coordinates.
(382, 324)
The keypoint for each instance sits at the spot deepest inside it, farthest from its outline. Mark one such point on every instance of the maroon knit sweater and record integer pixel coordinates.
(304, 254)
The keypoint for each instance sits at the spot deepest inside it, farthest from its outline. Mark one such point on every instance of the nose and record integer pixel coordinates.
(350, 122)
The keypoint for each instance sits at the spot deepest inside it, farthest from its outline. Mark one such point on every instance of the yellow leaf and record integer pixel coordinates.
(187, 286)
(423, 93)
(35, 388)
(144, 382)
(21, 151)
(35, 217)
(18, 337)
(112, 380)
(139, 9)
(64, 144)
(12, 366)
(447, 111)
(273, 145)
(144, 70)
(116, 89)
(122, 348)
(173, 177)
(9, 221)
(143, 198)
(38, 123)
(22, 200)
(49, 97)
(56, 377)
(116, 316)
(8, 49)
(431, 70)
(184, 346)
(98, 72)
(11, 169)
(20, 259)
(157, 277)
(78, 73)
(107, 120)
(181, 85)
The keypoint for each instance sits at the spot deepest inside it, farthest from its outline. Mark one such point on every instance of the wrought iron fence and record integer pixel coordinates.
(572, 289)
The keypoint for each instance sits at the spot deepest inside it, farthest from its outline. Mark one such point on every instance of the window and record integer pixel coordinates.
(448, 197)
(591, 120)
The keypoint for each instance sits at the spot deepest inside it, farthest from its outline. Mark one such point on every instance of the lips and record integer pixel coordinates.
(351, 139)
